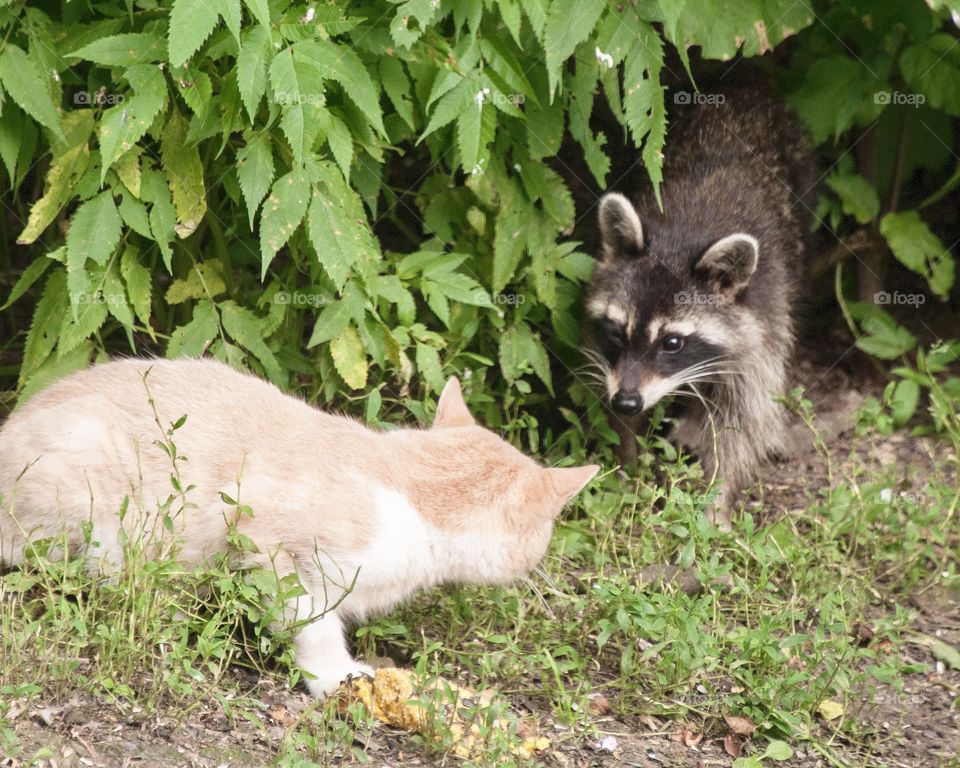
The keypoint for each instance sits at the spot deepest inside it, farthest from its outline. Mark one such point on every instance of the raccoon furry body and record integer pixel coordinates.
(698, 299)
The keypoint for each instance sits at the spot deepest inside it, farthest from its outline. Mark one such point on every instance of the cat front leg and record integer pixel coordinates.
(322, 652)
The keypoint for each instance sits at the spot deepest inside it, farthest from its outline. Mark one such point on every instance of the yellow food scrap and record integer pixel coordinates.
(394, 697)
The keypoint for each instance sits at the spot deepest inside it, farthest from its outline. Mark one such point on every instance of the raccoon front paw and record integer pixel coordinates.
(324, 682)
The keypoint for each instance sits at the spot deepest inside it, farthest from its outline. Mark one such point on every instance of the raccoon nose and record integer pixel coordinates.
(630, 404)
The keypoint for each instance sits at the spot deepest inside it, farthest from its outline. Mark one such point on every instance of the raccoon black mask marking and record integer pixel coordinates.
(696, 300)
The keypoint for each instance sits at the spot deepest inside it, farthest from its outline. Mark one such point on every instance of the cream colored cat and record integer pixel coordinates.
(333, 500)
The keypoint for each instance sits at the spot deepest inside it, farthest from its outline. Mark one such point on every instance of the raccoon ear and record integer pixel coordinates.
(451, 408)
(621, 233)
(730, 263)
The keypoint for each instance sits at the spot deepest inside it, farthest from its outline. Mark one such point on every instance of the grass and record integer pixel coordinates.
(786, 612)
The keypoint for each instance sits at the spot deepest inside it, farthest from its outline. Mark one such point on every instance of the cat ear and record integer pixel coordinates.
(451, 409)
(567, 482)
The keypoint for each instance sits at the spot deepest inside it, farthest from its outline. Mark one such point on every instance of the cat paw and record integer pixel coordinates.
(324, 682)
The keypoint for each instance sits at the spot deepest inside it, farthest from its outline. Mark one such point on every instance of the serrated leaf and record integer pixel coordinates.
(569, 23)
(411, 20)
(246, 329)
(298, 89)
(115, 297)
(508, 240)
(127, 169)
(450, 106)
(139, 285)
(191, 22)
(204, 280)
(45, 325)
(184, 172)
(55, 369)
(885, 339)
(343, 65)
(87, 319)
(163, 217)
(341, 145)
(918, 249)
(350, 358)
(25, 83)
(70, 160)
(335, 316)
(397, 85)
(282, 213)
(260, 11)
(255, 172)
(252, 68)
(30, 275)
(191, 340)
(475, 130)
(232, 16)
(94, 230)
(11, 138)
(122, 126)
(429, 366)
(122, 50)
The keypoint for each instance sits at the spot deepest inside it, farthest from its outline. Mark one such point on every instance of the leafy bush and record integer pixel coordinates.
(377, 194)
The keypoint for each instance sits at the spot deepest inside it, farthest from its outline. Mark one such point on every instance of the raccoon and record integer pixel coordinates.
(697, 300)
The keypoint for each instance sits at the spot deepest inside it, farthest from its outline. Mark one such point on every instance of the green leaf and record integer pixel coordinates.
(932, 68)
(918, 249)
(429, 366)
(252, 63)
(87, 318)
(298, 89)
(230, 12)
(191, 22)
(885, 339)
(94, 231)
(342, 64)
(335, 316)
(124, 125)
(569, 23)
(163, 217)
(31, 274)
(55, 369)
(411, 20)
(26, 85)
(45, 326)
(205, 280)
(831, 95)
(475, 130)
(397, 85)
(337, 226)
(139, 285)
(184, 171)
(246, 329)
(255, 171)
(122, 50)
(858, 197)
(260, 11)
(778, 750)
(508, 241)
(282, 213)
(115, 297)
(904, 401)
(192, 339)
(341, 145)
(350, 358)
(70, 160)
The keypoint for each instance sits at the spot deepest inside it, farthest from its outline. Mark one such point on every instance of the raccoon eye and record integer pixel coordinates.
(616, 333)
(673, 344)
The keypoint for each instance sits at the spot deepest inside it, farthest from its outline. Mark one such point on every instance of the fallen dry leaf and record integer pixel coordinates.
(396, 698)
(690, 738)
(829, 709)
(733, 744)
(742, 726)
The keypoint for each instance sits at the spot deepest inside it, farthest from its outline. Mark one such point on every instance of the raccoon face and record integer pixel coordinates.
(667, 322)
